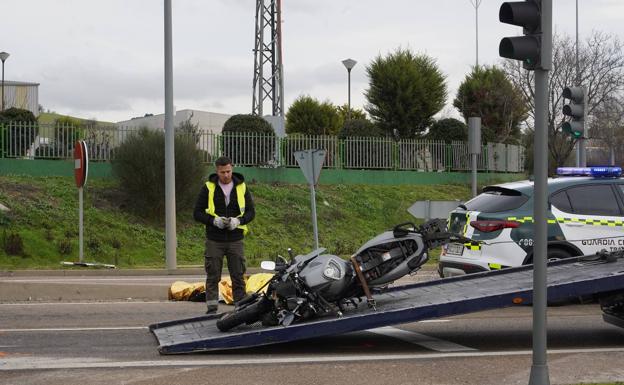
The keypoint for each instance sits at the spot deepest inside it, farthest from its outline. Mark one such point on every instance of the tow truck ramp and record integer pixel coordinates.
(567, 279)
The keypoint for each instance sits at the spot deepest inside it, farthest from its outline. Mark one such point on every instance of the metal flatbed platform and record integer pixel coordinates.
(567, 278)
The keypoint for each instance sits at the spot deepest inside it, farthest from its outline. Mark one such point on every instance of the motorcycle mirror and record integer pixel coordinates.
(267, 265)
(290, 253)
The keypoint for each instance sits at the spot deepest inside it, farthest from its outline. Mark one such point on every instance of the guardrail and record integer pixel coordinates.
(48, 141)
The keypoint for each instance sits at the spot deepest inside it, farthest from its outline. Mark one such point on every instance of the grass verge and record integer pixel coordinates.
(44, 215)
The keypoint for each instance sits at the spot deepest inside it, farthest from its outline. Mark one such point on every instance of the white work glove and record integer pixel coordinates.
(219, 222)
(234, 222)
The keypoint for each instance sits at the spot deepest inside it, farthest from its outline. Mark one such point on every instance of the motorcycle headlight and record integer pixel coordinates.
(332, 270)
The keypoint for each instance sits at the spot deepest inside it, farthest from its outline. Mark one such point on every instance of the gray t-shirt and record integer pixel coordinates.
(227, 189)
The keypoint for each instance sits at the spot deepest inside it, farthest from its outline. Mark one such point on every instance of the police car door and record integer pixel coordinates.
(590, 217)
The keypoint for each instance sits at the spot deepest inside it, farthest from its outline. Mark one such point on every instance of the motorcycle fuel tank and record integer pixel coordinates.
(327, 274)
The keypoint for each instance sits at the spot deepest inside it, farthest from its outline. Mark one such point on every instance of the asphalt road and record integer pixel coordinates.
(80, 329)
(109, 343)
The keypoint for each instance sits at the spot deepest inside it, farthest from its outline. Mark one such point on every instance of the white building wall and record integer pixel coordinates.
(21, 95)
(207, 121)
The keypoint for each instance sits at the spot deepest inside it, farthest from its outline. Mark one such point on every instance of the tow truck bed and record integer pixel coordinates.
(569, 278)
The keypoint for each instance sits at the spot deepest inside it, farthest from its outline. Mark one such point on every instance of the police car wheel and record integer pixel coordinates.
(554, 254)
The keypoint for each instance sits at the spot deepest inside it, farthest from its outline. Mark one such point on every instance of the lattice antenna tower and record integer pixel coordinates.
(268, 80)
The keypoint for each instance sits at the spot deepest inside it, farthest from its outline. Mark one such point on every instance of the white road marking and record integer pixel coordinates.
(96, 280)
(74, 329)
(434, 321)
(30, 363)
(421, 340)
(85, 303)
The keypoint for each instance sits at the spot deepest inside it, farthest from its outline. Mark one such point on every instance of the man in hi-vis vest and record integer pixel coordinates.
(225, 206)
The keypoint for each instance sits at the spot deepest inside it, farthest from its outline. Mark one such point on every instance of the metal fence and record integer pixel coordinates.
(35, 141)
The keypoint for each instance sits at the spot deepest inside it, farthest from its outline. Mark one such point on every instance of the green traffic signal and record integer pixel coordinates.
(575, 110)
(575, 129)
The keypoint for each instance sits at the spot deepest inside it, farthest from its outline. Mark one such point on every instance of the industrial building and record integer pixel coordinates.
(24, 95)
(208, 122)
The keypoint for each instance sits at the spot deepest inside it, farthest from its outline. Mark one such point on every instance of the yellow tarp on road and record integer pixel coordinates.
(184, 291)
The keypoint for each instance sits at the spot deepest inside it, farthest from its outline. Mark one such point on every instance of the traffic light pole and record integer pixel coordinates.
(583, 141)
(539, 368)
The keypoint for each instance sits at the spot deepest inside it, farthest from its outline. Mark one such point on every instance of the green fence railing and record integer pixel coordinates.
(40, 141)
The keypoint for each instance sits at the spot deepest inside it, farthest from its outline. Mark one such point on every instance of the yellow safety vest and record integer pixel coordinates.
(240, 197)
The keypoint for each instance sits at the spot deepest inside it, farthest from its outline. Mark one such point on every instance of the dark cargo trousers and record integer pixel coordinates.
(213, 264)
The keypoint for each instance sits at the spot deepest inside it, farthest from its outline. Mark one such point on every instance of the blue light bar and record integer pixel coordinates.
(605, 172)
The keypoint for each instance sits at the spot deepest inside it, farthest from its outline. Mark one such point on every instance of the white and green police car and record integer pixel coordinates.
(585, 215)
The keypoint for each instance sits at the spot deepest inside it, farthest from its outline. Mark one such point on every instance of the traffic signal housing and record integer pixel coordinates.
(526, 14)
(575, 110)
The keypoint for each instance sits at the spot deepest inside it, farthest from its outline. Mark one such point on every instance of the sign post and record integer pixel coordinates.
(81, 170)
(311, 162)
(474, 146)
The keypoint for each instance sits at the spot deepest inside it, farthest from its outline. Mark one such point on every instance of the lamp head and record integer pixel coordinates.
(349, 63)
(4, 56)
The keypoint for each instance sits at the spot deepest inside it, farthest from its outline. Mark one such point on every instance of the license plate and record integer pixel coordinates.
(455, 248)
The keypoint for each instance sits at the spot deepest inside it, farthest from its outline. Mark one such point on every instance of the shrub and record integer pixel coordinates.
(17, 115)
(140, 167)
(308, 116)
(448, 130)
(187, 127)
(360, 128)
(18, 130)
(94, 245)
(247, 123)
(65, 247)
(249, 139)
(13, 244)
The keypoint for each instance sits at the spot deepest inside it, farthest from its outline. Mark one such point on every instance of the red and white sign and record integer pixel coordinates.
(81, 163)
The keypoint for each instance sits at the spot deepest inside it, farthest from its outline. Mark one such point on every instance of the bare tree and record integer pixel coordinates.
(601, 71)
(607, 129)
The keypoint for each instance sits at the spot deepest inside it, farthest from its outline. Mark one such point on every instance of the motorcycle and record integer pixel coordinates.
(319, 284)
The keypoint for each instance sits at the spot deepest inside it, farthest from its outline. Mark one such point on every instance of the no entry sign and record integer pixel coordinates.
(81, 163)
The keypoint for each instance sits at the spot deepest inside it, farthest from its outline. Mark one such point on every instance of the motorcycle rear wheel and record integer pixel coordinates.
(249, 314)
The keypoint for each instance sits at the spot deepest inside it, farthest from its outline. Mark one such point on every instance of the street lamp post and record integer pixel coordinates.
(3, 57)
(349, 64)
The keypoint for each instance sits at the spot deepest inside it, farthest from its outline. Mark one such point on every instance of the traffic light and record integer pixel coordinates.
(575, 110)
(526, 14)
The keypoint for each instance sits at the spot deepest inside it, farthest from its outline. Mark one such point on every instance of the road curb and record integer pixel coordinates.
(91, 271)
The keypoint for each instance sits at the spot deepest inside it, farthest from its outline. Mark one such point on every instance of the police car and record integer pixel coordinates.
(585, 215)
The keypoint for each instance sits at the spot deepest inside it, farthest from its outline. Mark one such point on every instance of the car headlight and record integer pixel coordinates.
(332, 270)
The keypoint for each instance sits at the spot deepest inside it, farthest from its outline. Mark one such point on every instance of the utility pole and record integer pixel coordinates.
(476, 4)
(581, 152)
(170, 210)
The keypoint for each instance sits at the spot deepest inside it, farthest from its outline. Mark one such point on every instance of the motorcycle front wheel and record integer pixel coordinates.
(249, 314)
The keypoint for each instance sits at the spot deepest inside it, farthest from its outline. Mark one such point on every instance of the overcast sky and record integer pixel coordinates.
(104, 59)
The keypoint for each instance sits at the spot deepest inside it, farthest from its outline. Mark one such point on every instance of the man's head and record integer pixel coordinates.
(224, 169)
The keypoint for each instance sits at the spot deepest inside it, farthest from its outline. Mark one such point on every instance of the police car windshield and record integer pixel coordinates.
(495, 199)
